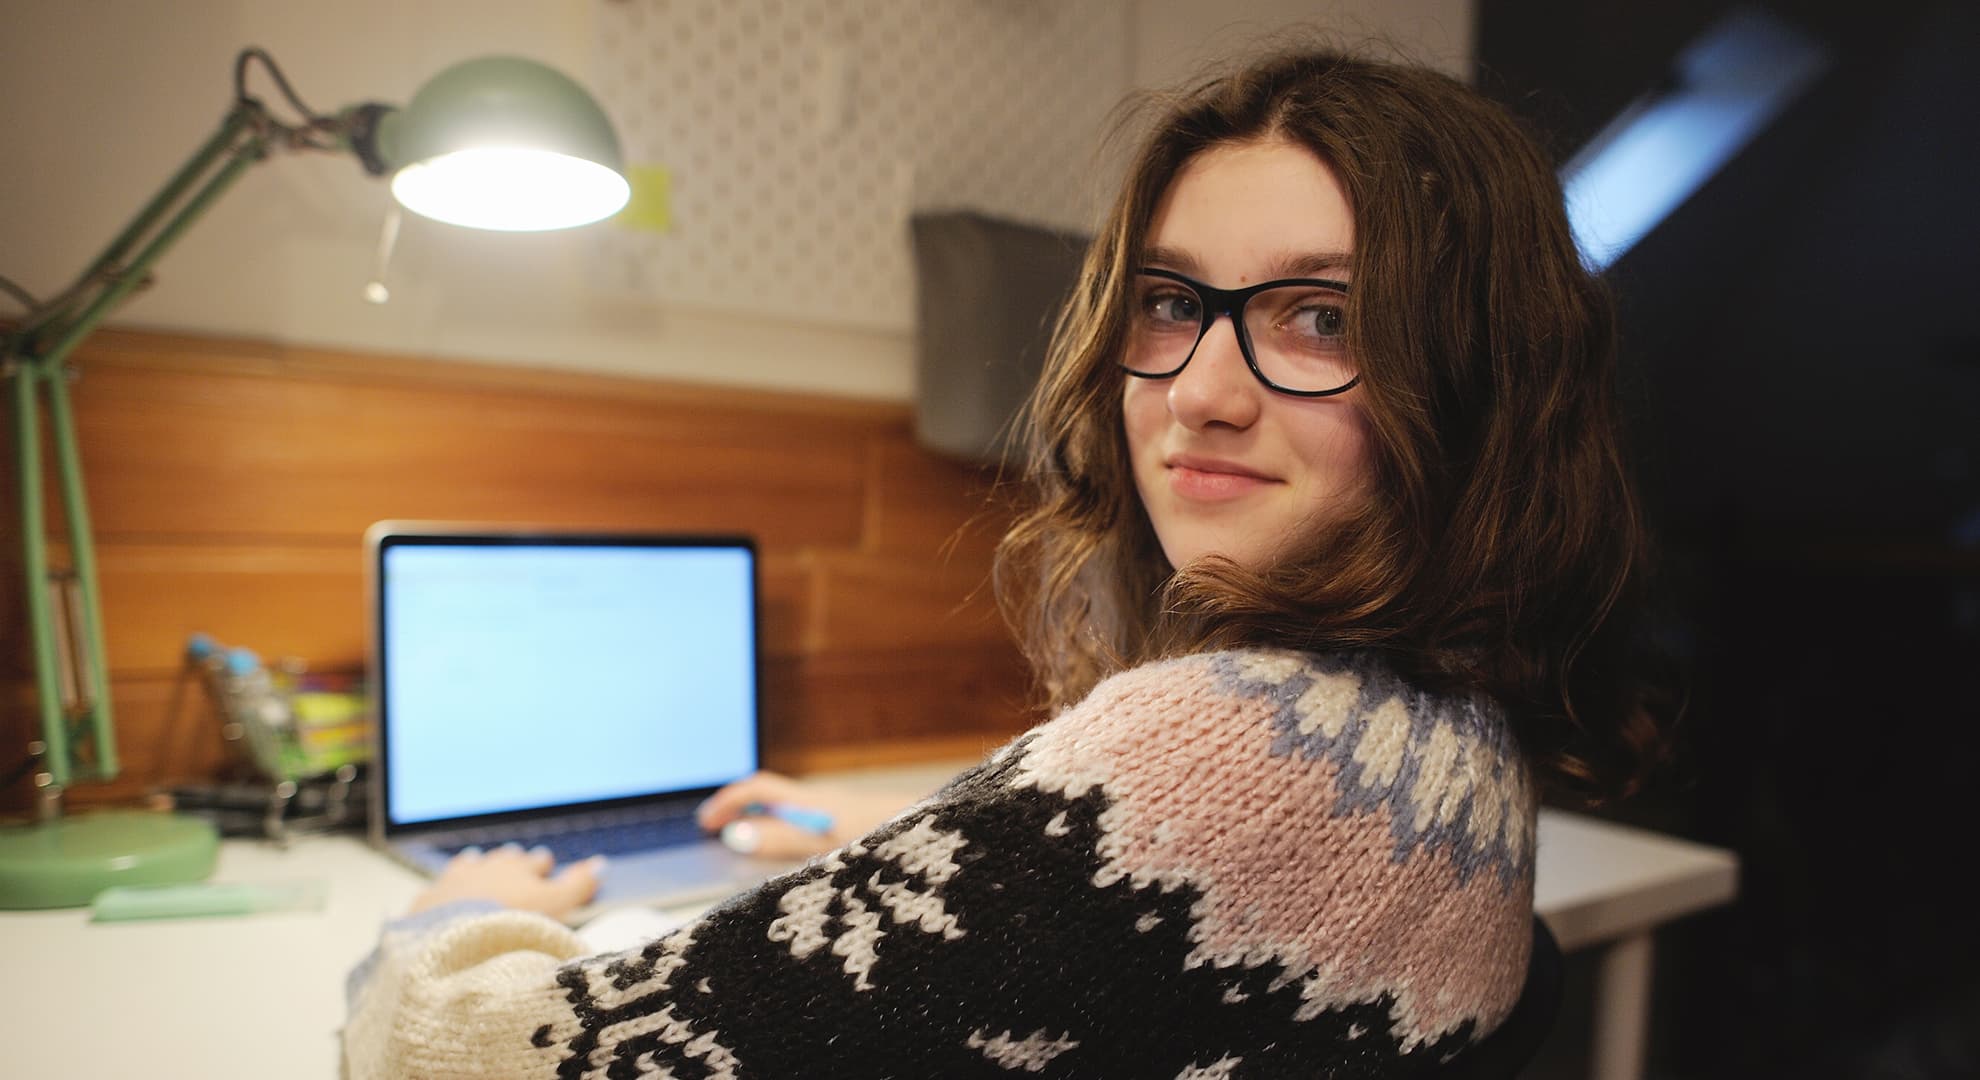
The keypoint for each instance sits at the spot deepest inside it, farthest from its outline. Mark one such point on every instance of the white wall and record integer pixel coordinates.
(105, 98)
(1171, 38)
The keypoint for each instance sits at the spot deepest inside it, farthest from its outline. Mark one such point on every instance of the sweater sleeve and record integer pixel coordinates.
(1230, 865)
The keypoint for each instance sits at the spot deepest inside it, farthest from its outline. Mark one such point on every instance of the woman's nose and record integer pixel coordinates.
(1216, 386)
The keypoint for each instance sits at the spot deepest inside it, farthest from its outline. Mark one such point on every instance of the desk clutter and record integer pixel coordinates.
(299, 743)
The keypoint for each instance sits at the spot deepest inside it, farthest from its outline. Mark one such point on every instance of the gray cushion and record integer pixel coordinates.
(987, 292)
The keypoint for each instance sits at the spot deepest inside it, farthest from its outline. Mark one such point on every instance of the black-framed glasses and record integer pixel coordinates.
(1292, 331)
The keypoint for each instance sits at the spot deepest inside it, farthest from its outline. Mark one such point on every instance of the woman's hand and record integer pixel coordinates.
(853, 814)
(514, 878)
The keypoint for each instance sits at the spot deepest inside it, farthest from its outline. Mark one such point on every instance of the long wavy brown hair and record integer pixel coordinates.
(1502, 551)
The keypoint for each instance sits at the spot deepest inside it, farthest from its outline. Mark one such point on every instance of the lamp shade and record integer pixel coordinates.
(504, 143)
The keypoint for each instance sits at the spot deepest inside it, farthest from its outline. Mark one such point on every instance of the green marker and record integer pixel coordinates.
(124, 903)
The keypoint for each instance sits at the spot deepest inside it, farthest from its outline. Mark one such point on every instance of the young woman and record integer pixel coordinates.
(1329, 572)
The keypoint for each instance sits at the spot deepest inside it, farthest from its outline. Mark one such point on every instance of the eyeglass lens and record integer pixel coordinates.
(1296, 333)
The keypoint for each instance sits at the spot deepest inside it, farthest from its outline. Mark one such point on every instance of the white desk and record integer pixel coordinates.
(263, 996)
(1606, 886)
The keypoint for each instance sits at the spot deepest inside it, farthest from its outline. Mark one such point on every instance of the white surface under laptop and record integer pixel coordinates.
(559, 676)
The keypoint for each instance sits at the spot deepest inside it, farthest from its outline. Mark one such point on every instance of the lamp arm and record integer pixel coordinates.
(34, 357)
(50, 332)
(71, 675)
(34, 551)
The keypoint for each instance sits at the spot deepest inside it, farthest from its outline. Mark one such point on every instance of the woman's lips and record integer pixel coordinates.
(1211, 481)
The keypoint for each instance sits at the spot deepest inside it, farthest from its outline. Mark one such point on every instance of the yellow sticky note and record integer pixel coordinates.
(651, 205)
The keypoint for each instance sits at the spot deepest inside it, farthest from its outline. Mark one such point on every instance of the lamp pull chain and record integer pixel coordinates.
(388, 238)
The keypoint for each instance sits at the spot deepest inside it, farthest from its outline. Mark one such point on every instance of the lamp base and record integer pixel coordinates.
(65, 862)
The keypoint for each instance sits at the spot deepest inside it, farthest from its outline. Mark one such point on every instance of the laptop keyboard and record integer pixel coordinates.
(606, 833)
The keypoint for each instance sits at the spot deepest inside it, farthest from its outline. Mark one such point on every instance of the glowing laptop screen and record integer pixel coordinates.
(518, 676)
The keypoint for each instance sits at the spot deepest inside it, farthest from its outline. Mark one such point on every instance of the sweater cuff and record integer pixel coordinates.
(418, 924)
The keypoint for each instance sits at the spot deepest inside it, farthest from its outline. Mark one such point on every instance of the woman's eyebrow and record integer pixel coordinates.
(1182, 262)
(1309, 264)
(1293, 265)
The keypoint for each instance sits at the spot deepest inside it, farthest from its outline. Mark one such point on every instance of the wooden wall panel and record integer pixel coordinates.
(13, 605)
(924, 506)
(231, 482)
(298, 449)
(876, 602)
(286, 600)
(166, 732)
(880, 697)
(279, 600)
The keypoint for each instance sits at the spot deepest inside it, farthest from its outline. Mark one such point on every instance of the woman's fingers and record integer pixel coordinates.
(574, 885)
(729, 803)
(515, 878)
(793, 818)
(770, 838)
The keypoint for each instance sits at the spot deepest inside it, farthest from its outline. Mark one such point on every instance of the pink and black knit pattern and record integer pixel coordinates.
(1232, 865)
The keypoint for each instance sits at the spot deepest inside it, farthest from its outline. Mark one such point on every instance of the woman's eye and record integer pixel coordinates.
(1316, 322)
(1172, 307)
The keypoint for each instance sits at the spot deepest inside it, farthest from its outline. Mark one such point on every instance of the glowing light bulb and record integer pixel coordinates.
(514, 190)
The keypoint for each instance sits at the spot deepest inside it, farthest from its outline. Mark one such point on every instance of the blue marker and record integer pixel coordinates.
(811, 821)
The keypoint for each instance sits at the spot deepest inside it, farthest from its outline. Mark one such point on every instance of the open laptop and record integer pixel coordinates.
(579, 691)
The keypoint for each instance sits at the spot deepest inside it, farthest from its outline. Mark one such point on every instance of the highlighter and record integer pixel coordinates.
(125, 903)
(741, 835)
(811, 821)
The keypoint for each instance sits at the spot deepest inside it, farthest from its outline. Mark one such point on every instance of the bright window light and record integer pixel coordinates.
(509, 189)
(1726, 87)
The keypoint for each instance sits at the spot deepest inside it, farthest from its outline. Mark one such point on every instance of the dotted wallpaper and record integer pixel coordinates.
(797, 136)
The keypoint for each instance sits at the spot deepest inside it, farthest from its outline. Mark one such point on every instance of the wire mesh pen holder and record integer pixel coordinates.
(300, 740)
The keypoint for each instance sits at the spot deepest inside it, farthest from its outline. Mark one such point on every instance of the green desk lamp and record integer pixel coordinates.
(494, 143)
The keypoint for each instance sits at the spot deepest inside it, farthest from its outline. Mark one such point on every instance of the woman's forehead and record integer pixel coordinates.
(1243, 212)
(1289, 264)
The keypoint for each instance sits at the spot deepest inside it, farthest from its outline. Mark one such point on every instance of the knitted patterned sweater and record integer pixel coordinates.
(1239, 864)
